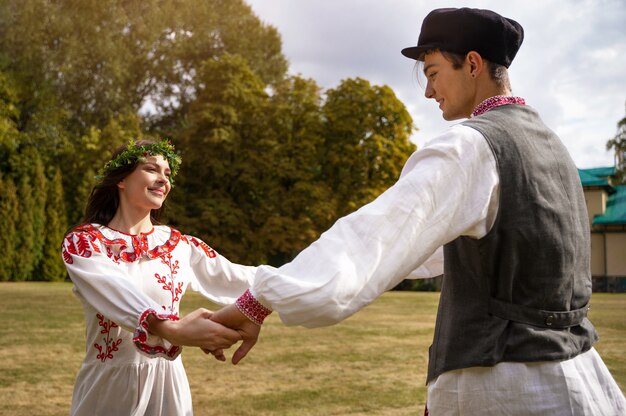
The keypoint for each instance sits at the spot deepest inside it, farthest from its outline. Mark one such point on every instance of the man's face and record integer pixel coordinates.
(450, 87)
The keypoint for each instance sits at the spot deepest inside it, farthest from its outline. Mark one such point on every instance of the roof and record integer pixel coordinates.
(615, 212)
(589, 179)
(601, 172)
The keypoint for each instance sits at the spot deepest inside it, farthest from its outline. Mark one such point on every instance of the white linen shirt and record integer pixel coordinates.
(120, 279)
(449, 188)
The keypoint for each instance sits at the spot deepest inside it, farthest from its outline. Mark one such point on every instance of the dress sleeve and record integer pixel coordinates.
(106, 286)
(446, 190)
(216, 277)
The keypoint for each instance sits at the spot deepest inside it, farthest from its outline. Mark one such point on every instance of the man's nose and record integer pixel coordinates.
(429, 92)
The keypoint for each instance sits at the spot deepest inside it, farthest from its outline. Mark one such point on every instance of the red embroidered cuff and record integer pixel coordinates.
(252, 308)
(141, 335)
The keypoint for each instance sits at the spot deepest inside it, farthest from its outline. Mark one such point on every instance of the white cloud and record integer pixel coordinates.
(571, 67)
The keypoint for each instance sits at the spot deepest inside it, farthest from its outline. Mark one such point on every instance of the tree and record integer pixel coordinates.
(367, 131)
(27, 171)
(52, 267)
(24, 260)
(618, 144)
(9, 116)
(39, 187)
(105, 58)
(226, 149)
(301, 199)
(8, 227)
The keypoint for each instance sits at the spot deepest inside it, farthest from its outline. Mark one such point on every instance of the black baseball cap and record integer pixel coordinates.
(494, 37)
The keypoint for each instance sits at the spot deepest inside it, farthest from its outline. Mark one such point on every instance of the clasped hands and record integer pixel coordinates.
(213, 332)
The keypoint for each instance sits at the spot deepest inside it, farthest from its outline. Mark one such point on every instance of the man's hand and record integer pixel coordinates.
(197, 330)
(231, 317)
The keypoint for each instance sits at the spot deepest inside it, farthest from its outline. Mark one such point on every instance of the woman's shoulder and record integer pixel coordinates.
(199, 245)
(83, 229)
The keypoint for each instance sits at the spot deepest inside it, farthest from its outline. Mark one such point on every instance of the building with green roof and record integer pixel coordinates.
(606, 205)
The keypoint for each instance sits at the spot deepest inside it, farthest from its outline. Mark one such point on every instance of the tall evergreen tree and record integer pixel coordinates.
(52, 268)
(39, 182)
(24, 259)
(8, 226)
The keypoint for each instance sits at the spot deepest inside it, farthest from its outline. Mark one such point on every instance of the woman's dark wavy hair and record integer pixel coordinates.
(104, 199)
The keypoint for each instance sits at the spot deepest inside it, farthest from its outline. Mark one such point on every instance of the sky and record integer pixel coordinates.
(571, 66)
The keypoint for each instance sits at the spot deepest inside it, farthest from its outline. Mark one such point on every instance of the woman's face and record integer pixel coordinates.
(147, 186)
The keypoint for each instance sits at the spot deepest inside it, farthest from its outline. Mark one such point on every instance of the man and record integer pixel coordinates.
(502, 196)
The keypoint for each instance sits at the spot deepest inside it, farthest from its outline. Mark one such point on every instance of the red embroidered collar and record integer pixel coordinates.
(139, 243)
(496, 101)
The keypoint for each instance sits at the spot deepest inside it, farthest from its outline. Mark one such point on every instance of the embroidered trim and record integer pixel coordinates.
(175, 288)
(199, 243)
(109, 346)
(252, 308)
(78, 244)
(496, 101)
(140, 337)
(139, 244)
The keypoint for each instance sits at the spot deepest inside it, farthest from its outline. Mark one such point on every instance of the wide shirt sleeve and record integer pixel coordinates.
(214, 276)
(447, 189)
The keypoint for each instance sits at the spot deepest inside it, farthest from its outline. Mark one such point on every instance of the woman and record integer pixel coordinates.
(130, 275)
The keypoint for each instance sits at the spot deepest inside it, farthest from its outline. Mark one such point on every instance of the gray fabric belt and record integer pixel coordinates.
(537, 317)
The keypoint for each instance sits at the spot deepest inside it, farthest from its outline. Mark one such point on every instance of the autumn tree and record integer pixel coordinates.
(301, 199)
(270, 161)
(226, 148)
(367, 131)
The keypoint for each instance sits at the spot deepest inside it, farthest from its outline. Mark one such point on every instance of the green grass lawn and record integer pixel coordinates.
(372, 364)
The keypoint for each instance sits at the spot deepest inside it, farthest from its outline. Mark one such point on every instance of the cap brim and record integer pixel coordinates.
(414, 52)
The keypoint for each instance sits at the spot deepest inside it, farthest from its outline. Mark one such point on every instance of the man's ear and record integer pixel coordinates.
(475, 63)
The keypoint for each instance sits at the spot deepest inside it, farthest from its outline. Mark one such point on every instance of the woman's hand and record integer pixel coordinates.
(196, 330)
(231, 317)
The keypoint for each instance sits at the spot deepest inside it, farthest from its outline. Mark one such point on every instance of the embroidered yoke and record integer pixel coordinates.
(121, 279)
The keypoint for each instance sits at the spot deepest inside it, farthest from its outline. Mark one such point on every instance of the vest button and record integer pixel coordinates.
(549, 320)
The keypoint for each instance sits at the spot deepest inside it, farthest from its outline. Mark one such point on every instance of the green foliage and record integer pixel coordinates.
(134, 153)
(26, 170)
(39, 185)
(367, 134)
(52, 268)
(24, 260)
(302, 203)
(106, 57)
(269, 164)
(221, 193)
(8, 227)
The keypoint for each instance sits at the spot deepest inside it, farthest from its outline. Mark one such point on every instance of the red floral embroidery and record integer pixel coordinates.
(141, 336)
(175, 288)
(118, 249)
(80, 244)
(106, 351)
(204, 246)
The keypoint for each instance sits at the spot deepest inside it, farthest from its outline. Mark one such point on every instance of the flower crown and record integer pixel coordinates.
(134, 154)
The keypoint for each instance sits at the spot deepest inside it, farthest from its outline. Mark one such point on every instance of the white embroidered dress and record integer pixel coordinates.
(120, 280)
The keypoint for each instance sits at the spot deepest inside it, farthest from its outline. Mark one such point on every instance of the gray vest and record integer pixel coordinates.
(521, 292)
